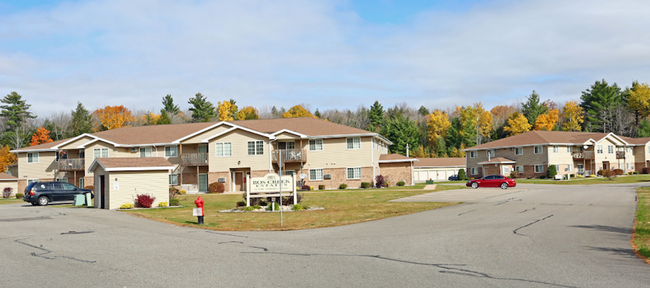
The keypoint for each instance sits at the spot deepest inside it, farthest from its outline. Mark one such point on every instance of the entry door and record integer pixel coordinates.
(605, 165)
(239, 181)
(102, 194)
(203, 182)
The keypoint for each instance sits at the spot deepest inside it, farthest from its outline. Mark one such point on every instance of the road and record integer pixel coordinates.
(528, 236)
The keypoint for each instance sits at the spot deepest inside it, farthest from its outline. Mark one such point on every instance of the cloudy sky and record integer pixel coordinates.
(327, 53)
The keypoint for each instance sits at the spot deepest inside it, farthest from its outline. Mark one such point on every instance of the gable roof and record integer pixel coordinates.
(440, 162)
(131, 164)
(310, 127)
(543, 137)
(498, 160)
(7, 177)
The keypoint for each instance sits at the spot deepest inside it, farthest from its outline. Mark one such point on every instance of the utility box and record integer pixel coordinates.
(79, 200)
(89, 200)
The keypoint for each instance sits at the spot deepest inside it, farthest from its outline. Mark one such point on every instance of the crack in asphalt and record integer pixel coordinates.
(531, 223)
(502, 194)
(219, 233)
(505, 201)
(466, 212)
(25, 219)
(46, 251)
(534, 208)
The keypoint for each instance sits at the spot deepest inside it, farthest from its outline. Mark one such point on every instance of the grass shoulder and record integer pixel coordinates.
(590, 181)
(12, 200)
(641, 235)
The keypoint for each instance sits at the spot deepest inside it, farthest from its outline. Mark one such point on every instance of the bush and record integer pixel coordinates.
(182, 192)
(174, 202)
(6, 193)
(145, 200)
(299, 207)
(572, 175)
(311, 188)
(379, 181)
(321, 187)
(277, 206)
(289, 200)
(173, 192)
(551, 171)
(343, 186)
(600, 172)
(90, 187)
(635, 172)
(365, 185)
(241, 203)
(461, 174)
(515, 174)
(619, 171)
(607, 173)
(542, 177)
(387, 184)
(162, 204)
(216, 187)
(401, 183)
(19, 195)
(305, 188)
(249, 208)
(126, 206)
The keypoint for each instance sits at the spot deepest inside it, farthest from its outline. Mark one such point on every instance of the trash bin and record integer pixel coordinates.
(88, 199)
(79, 200)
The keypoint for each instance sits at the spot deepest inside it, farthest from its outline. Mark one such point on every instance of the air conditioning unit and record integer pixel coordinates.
(222, 180)
(134, 149)
(327, 176)
(511, 148)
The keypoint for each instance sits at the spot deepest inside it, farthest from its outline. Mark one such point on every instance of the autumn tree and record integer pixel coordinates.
(249, 113)
(113, 117)
(532, 108)
(150, 118)
(82, 121)
(638, 99)
(468, 129)
(547, 121)
(517, 124)
(573, 116)
(202, 109)
(6, 158)
(297, 112)
(169, 106)
(437, 126)
(226, 110)
(484, 124)
(41, 136)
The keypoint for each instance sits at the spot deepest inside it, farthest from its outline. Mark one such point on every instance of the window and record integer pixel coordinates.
(489, 153)
(82, 153)
(291, 145)
(81, 182)
(223, 149)
(557, 168)
(354, 173)
(67, 186)
(519, 168)
(255, 148)
(599, 149)
(145, 152)
(556, 149)
(316, 145)
(472, 154)
(610, 149)
(538, 150)
(539, 168)
(473, 170)
(569, 149)
(570, 168)
(171, 151)
(32, 157)
(353, 143)
(519, 151)
(289, 172)
(629, 166)
(100, 152)
(173, 179)
(648, 149)
(315, 174)
(30, 181)
(628, 149)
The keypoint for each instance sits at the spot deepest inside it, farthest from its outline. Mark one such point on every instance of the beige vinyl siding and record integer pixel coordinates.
(605, 156)
(336, 155)
(196, 139)
(13, 184)
(44, 169)
(561, 157)
(287, 136)
(376, 152)
(75, 144)
(640, 153)
(89, 158)
(131, 184)
(239, 140)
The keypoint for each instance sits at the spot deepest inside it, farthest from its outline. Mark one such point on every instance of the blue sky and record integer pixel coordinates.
(326, 53)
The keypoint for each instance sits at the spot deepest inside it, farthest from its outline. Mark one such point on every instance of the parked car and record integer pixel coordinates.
(42, 193)
(492, 181)
(453, 177)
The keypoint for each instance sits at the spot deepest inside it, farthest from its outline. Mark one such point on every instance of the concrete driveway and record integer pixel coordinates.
(530, 236)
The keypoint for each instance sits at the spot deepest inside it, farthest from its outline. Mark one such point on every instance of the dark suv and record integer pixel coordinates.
(42, 193)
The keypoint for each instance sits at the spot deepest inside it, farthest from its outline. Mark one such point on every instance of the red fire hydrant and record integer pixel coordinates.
(199, 205)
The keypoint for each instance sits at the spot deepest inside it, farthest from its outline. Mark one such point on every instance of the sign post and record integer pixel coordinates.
(280, 166)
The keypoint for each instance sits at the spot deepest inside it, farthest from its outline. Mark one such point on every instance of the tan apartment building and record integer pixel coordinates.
(580, 153)
(324, 153)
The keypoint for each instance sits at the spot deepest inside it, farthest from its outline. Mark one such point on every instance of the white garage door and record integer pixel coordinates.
(422, 175)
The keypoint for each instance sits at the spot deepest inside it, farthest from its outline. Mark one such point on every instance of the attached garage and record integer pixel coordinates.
(119, 180)
(8, 181)
(396, 167)
(437, 169)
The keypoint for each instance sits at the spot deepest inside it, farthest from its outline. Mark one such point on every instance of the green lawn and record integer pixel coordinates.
(11, 200)
(590, 181)
(342, 207)
(641, 237)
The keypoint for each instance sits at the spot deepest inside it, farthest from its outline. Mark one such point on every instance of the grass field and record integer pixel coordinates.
(641, 237)
(11, 200)
(342, 207)
(590, 181)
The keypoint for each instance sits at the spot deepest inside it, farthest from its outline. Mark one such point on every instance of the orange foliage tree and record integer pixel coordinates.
(111, 117)
(296, 112)
(6, 158)
(548, 120)
(41, 136)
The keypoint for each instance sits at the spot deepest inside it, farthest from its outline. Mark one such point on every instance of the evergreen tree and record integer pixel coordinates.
(202, 109)
(401, 131)
(82, 121)
(15, 110)
(600, 103)
(376, 115)
(169, 106)
(533, 108)
(423, 111)
(164, 118)
(644, 128)
(317, 113)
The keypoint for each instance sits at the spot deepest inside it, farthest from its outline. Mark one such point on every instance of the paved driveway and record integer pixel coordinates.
(530, 236)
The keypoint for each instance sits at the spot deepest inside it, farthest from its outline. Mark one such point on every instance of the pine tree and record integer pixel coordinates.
(169, 106)
(82, 121)
(376, 115)
(164, 118)
(15, 111)
(202, 109)
(533, 108)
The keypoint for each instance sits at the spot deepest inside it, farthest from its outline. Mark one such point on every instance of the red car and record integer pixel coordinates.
(492, 181)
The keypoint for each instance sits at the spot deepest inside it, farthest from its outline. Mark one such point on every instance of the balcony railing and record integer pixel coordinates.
(75, 164)
(194, 159)
(620, 154)
(290, 155)
(583, 155)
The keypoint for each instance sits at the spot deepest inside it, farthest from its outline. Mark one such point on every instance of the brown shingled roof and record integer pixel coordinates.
(134, 162)
(498, 160)
(541, 137)
(439, 162)
(151, 134)
(306, 126)
(395, 158)
(6, 177)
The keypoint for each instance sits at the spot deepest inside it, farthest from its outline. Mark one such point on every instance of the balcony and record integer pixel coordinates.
(194, 159)
(583, 155)
(620, 154)
(290, 155)
(76, 164)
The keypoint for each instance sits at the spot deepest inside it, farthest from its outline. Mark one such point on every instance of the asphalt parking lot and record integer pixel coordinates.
(527, 236)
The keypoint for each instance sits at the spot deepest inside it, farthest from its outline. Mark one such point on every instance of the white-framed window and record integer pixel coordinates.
(81, 182)
(223, 149)
(599, 149)
(316, 145)
(32, 157)
(519, 150)
(539, 150)
(628, 149)
(569, 168)
(473, 171)
(173, 179)
(629, 166)
(489, 153)
(539, 168)
(100, 152)
(569, 149)
(171, 151)
(145, 151)
(610, 149)
(354, 173)
(353, 143)
(289, 172)
(556, 149)
(472, 154)
(290, 145)
(315, 174)
(557, 168)
(30, 181)
(255, 148)
(519, 168)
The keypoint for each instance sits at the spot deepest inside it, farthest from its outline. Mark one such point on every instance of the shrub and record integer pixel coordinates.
(379, 181)
(311, 188)
(387, 184)
(241, 203)
(365, 185)
(277, 206)
(19, 195)
(162, 204)
(515, 174)
(249, 208)
(619, 171)
(401, 183)
(321, 187)
(289, 199)
(145, 200)
(182, 192)
(551, 171)
(299, 207)
(174, 202)
(90, 187)
(600, 172)
(6, 193)
(126, 206)
(305, 188)
(636, 172)
(461, 174)
(343, 186)
(542, 177)
(173, 192)
(216, 187)
(572, 175)
(607, 173)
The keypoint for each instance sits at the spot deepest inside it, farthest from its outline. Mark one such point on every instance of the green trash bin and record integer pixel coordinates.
(79, 199)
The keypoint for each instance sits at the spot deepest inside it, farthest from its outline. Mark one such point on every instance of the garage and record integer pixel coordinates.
(437, 169)
(8, 181)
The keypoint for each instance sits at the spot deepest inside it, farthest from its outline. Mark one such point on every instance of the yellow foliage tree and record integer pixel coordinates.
(517, 124)
(639, 99)
(297, 112)
(248, 113)
(112, 117)
(547, 120)
(6, 158)
(150, 118)
(226, 110)
(573, 116)
(437, 125)
(484, 120)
